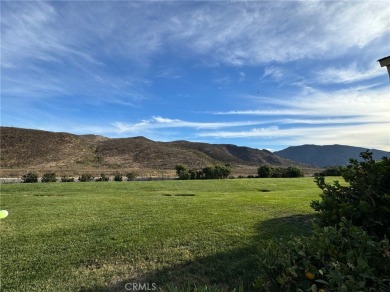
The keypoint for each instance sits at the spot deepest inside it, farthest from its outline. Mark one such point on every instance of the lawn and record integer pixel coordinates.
(98, 236)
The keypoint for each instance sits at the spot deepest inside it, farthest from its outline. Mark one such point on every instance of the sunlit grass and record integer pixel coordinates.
(101, 235)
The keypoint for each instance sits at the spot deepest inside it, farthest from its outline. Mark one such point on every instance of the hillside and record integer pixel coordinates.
(234, 154)
(34, 149)
(327, 155)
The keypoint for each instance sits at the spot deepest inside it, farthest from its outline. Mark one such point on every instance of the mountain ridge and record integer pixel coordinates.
(37, 149)
(326, 155)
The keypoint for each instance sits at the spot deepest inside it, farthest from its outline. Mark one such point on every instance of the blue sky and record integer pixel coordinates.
(263, 74)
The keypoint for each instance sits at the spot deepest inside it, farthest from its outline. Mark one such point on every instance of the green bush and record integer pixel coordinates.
(49, 177)
(277, 172)
(184, 175)
(131, 176)
(293, 171)
(265, 171)
(331, 171)
(30, 178)
(66, 178)
(180, 169)
(350, 251)
(339, 258)
(103, 177)
(215, 172)
(209, 172)
(118, 176)
(86, 177)
(365, 201)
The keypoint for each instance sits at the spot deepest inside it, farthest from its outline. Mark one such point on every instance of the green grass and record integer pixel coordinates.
(102, 235)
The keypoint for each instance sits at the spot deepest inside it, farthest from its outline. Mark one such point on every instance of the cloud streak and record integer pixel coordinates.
(349, 74)
(341, 103)
(162, 123)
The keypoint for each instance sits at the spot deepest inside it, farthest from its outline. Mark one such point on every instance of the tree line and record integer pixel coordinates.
(47, 177)
(224, 171)
(208, 172)
(267, 171)
(183, 172)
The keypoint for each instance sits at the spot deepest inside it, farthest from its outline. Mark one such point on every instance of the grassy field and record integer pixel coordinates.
(99, 236)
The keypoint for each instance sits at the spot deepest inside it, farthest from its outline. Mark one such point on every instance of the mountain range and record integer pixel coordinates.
(35, 149)
(327, 155)
(25, 149)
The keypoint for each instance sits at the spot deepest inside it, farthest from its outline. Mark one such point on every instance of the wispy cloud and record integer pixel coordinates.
(274, 72)
(65, 45)
(350, 74)
(339, 103)
(160, 123)
(267, 33)
(47, 53)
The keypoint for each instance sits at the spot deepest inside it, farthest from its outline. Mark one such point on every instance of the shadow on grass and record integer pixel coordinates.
(222, 271)
(179, 195)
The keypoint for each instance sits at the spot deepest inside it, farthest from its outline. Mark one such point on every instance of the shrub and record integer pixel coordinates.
(195, 174)
(103, 177)
(209, 172)
(293, 171)
(264, 171)
(180, 168)
(331, 171)
(184, 175)
(30, 178)
(277, 172)
(268, 171)
(345, 254)
(86, 177)
(131, 176)
(118, 177)
(49, 177)
(216, 172)
(366, 201)
(65, 178)
(339, 258)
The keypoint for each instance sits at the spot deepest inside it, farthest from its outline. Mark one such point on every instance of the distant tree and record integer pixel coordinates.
(103, 177)
(208, 172)
(131, 176)
(85, 177)
(180, 168)
(118, 176)
(332, 171)
(49, 177)
(277, 172)
(66, 178)
(264, 171)
(293, 171)
(30, 178)
(193, 174)
(224, 171)
(216, 172)
(184, 175)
